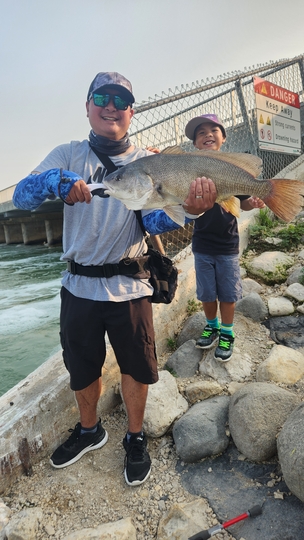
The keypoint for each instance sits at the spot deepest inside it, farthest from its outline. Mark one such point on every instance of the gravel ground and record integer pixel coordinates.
(93, 490)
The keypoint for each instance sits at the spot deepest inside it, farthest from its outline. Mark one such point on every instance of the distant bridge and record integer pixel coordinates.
(43, 225)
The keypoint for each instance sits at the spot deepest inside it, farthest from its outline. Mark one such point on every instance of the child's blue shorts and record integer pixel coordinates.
(218, 277)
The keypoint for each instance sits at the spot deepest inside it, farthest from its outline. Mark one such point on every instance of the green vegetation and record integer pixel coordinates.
(292, 236)
(193, 306)
(267, 226)
(171, 344)
(173, 373)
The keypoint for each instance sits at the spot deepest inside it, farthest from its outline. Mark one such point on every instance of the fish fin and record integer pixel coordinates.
(231, 205)
(285, 198)
(174, 150)
(176, 213)
(251, 164)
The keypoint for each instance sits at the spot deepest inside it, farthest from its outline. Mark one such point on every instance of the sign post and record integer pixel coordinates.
(278, 118)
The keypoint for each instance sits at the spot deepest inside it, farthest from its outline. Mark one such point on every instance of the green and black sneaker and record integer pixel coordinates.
(224, 349)
(209, 337)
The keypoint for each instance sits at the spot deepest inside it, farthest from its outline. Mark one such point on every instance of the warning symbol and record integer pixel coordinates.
(263, 89)
(261, 119)
(268, 121)
(269, 135)
(262, 133)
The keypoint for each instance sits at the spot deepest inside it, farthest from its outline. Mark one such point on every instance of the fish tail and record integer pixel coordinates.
(285, 198)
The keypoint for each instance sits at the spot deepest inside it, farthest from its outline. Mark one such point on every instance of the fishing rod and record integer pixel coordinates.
(204, 535)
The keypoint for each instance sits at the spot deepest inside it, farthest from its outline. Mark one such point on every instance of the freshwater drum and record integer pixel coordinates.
(30, 281)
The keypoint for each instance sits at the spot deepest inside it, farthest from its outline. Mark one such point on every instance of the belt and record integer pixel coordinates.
(125, 267)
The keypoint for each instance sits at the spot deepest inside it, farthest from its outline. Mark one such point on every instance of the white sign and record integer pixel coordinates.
(278, 118)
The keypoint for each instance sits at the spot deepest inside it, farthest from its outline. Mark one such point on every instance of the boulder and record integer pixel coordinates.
(256, 413)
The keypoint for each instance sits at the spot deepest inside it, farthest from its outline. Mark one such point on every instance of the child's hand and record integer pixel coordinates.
(255, 202)
(153, 149)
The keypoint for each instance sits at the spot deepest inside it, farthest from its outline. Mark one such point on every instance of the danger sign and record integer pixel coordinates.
(278, 111)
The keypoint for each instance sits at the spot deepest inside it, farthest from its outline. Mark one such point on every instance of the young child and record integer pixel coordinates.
(215, 245)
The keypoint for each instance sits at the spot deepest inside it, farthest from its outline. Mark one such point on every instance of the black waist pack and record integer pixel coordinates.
(164, 274)
(163, 277)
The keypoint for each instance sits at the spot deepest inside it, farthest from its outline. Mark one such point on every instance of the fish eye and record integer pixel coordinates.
(117, 178)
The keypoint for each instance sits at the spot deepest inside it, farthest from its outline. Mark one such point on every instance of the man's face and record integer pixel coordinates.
(109, 121)
(208, 136)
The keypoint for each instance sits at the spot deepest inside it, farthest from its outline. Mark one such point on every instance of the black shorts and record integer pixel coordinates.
(129, 326)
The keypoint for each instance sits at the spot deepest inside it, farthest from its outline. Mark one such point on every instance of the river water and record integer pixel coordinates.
(29, 309)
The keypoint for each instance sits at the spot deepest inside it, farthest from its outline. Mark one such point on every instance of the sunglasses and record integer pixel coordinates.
(102, 100)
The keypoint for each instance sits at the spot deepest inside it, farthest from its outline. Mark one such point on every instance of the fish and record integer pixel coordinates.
(162, 181)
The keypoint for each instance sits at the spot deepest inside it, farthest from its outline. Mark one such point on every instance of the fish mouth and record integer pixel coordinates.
(131, 199)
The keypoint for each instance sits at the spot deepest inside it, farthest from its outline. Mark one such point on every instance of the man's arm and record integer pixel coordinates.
(33, 190)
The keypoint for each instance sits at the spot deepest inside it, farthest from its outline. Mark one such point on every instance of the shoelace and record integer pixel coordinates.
(137, 450)
(75, 434)
(224, 343)
(207, 332)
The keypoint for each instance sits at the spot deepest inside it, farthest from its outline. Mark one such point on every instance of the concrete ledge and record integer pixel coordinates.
(37, 412)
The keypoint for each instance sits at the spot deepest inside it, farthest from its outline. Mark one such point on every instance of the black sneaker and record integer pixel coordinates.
(77, 445)
(224, 349)
(208, 338)
(137, 460)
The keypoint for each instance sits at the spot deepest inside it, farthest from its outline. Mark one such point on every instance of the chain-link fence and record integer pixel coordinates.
(161, 122)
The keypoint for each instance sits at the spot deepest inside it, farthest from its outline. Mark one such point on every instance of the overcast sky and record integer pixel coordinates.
(50, 50)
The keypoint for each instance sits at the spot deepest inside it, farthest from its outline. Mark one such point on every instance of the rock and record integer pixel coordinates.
(117, 530)
(237, 369)
(5, 513)
(271, 266)
(300, 308)
(24, 525)
(201, 431)
(301, 254)
(295, 276)
(252, 306)
(279, 306)
(296, 291)
(274, 241)
(184, 520)
(249, 286)
(184, 361)
(201, 390)
(256, 413)
(288, 331)
(284, 365)
(243, 272)
(291, 451)
(192, 328)
(234, 386)
(164, 405)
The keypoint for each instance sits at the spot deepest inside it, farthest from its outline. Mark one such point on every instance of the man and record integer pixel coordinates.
(94, 301)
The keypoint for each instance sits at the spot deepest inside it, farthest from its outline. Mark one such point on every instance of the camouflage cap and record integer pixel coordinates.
(203, 119)
(111, 80)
